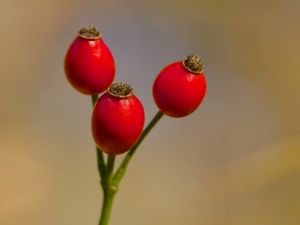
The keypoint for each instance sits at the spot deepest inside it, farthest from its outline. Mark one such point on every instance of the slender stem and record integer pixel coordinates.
(94, 99)
(100, 157)
(122, 169)
(109, 191)
(110, 167)
(106, 207)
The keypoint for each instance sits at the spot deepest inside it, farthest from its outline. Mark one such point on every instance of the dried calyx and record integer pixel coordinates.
(120, 90)
(193, 64)
(89, 32)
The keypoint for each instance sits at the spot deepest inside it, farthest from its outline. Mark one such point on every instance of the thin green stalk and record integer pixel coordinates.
(109, 191)
(122, 169)
(94, 99)
(110, 167)
(100, 157)
(106, 207)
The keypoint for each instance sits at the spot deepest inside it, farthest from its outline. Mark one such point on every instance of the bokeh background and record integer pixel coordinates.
(235, 161)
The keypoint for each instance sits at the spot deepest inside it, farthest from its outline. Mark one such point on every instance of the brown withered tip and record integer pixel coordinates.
(193, 63)
(120, 90)
(89, 32)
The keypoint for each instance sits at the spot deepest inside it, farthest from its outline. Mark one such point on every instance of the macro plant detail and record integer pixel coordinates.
(118, 117)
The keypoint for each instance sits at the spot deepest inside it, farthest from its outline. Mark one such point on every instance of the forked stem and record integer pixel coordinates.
(109, 191)
(109, 181)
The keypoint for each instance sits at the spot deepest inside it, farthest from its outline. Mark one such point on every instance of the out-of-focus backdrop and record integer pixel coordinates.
(235, 161)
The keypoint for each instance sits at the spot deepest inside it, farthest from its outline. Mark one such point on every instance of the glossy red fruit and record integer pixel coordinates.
(89, 64)
(117, 120)
(180, 87)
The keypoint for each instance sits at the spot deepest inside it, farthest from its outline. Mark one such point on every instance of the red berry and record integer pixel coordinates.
(180, 87)
(89, 64)
(117, 120)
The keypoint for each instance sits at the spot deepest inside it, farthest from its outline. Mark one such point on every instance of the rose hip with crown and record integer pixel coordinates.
(117, 120)
(180, 87)
(89, 64)
(118, 116)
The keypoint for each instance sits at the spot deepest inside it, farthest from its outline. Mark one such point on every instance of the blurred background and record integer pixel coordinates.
(235, 161)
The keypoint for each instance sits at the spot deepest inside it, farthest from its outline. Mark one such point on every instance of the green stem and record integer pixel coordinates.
(100, 157)
(110, 167)
(122, 169)
(109, 191)
(106, 207)
(94, 99)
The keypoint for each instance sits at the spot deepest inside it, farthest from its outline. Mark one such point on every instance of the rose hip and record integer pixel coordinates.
(180, 87)
(117, 120)
(89, 64)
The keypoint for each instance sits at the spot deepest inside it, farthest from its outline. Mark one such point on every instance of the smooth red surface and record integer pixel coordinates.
(178, 92)
(117, 123)
(89, 66)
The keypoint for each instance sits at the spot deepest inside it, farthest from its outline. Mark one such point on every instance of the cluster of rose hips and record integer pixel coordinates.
(118, 116)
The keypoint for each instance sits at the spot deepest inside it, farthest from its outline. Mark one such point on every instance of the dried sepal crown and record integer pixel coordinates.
(89, 32)
(193, 63)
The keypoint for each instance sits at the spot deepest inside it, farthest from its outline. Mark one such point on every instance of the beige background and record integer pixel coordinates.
(235, 161)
